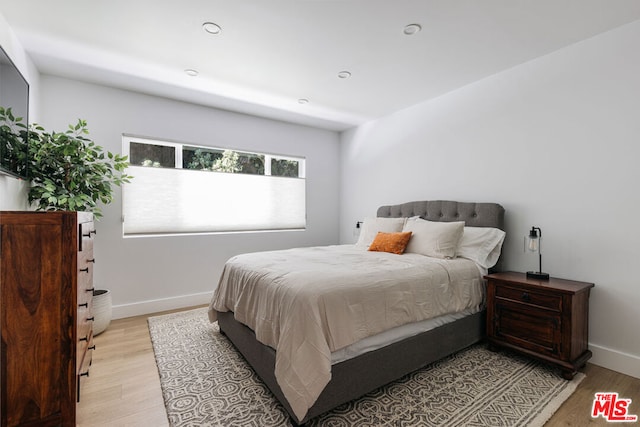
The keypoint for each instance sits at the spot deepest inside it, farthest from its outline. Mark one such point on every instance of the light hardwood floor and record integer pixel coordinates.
(124, 388)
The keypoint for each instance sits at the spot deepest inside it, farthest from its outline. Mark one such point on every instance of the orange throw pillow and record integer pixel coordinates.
(394, 243)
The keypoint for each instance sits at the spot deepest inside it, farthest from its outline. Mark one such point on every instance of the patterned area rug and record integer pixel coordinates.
(206, 382)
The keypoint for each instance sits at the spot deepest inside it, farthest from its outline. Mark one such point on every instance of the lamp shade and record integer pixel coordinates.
(533, 240)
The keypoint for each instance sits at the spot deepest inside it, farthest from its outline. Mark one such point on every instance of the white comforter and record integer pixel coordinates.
(309, 302)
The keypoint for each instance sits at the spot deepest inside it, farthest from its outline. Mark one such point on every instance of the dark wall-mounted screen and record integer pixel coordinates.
(14, 119)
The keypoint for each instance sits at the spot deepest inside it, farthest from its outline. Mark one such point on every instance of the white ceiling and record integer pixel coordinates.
(273, 52)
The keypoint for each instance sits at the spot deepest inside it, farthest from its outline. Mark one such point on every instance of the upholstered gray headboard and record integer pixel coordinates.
(473, 214)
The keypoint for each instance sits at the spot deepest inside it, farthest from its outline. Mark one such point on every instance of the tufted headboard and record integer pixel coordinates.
(473, 214)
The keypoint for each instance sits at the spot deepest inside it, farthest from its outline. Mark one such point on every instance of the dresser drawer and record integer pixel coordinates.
(85, 338)
(86, 232)
(85, 274)
(534, 298)
(84, 364)
(85, 321)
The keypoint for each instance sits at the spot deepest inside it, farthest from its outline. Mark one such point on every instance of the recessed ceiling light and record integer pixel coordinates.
(303, 101)
(344, 74)
(191, 72)
(411, 29)
(212, 28)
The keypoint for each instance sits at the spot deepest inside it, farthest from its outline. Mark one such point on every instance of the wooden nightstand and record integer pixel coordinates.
(546, 319)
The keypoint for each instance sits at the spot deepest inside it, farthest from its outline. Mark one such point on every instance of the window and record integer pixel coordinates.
(183, 188)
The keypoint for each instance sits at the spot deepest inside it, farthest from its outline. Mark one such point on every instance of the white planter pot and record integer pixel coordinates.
(101, 310)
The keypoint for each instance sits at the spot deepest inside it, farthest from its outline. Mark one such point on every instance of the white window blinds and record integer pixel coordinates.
(167, 201)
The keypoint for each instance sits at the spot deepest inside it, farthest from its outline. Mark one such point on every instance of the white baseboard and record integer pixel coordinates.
(157, 305)
(615, 360)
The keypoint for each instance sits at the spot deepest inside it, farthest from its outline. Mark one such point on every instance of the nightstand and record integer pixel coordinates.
(545, 319)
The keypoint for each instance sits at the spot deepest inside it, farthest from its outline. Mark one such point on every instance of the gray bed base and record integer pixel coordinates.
(355, 377)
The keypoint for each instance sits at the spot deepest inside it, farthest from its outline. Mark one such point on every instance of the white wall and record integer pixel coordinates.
(556, 141)
(150, 274)
(13, 192)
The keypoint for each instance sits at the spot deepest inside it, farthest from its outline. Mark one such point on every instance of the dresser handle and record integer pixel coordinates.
(91, 319)
(86, 304)
(526, 297)
(89, 233)
(86, 270)
(93, 260)
(84, 374)
(93, 347)
(85, 338)
(90, 290)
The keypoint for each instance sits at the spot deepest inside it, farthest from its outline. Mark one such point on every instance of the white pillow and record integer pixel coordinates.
(371, 226)
(482, 245)
(434, 239)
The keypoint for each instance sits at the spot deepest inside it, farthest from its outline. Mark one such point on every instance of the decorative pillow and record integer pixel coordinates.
(434, 239)
(371, 227)
(390, 242)
(482, 245)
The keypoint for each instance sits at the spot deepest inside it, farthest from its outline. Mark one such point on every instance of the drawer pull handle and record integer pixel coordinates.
(93, 260)
(85, 338)
(93, 347)
(526, 297)
(86, 270)
(90, 290)
(86, 304)
(89, 233)
(91, 319)
(84, 374)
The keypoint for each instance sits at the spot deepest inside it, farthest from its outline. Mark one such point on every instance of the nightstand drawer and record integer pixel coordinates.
(528, 328)
(552, 302)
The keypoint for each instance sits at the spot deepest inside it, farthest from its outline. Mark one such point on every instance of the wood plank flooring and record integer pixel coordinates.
(124, 388)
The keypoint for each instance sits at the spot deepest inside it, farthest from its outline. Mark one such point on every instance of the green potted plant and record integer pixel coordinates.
(68, 171)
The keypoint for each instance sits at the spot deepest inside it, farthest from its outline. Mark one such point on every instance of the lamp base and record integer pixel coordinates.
(537, 275)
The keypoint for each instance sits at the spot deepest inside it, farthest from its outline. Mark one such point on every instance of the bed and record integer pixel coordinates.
(371, 359)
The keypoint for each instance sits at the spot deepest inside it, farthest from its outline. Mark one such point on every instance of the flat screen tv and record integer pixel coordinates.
(14, 119)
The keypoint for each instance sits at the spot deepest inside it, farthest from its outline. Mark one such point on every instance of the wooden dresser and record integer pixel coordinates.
(546, 319)
(46, 291)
